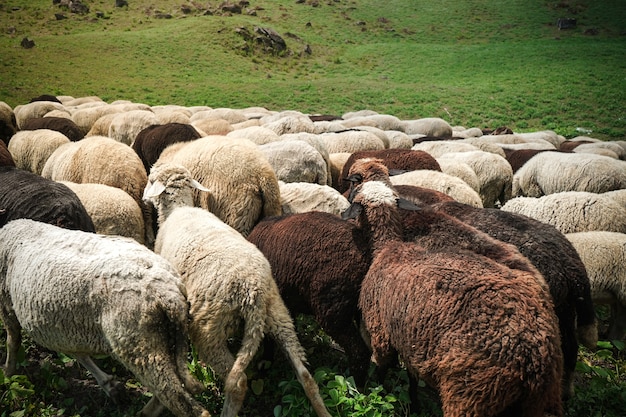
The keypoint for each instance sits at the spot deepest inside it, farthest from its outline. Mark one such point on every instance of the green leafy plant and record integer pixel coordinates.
(600, 391)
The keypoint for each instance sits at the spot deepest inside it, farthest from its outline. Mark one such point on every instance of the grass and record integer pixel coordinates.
(472, 63)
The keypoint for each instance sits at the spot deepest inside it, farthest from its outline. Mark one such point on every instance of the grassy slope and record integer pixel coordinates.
(477, 62)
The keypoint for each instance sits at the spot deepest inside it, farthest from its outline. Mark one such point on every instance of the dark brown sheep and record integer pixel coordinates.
(394, 159)
(60, 124)
(484, 335)
(318, 261)
(151, 141)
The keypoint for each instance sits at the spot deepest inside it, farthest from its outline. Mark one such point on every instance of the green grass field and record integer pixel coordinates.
(473, 63)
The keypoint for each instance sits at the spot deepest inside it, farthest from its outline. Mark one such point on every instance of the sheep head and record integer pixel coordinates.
(170, 186)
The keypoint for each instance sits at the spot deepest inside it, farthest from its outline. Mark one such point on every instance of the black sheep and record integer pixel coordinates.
(27, 195)
(151, 141)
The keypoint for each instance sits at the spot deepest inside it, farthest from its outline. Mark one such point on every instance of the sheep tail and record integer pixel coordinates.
(280, 326)
(236, 383)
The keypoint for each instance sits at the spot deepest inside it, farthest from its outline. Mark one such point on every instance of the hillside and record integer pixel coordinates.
(473, 63)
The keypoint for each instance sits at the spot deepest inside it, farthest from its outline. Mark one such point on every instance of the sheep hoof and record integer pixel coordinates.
(116, 392)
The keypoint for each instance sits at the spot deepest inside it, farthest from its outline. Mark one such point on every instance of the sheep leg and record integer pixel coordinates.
(14, 341)
(111, 387)
(617, 323)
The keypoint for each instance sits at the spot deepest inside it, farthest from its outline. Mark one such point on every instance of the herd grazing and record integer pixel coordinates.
(474, 259)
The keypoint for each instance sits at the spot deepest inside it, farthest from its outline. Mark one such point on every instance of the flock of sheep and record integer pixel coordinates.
(474, 258)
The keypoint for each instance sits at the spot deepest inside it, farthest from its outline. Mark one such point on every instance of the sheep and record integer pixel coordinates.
(101, 126)
(126, 126)
(604, 256)
(398, 140)
(494, 173)
(6, 159)
(318, 262)
(34, 110)
(228, 281)
(380, 121)
(317, 143)
(32, 148)
(429, 126)
(86, 117)
(439, 181)
(336, 161)
(602, 148)
(102, 160)
(257, 134)
(437, 148)
(288, 122)
(573, 211)
(243, 185)
(84, 294)
(27, 195)
(151, 141)
(351, 141)
(483, 334)
(296, 161)
(299, 197)
(208, 127)
(460, 170)
(60, 124)
(548, 250)
(553, 172)
(230, 115)
(8, 123)
(395, 159)
(111, 209)
(558, 262)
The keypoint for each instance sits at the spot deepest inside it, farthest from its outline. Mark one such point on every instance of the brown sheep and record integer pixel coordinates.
(483, 334)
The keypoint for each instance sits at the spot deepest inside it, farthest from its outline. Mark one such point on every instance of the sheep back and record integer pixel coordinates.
(151, 141)
(59, 124)
(27, 195)
(243, 185)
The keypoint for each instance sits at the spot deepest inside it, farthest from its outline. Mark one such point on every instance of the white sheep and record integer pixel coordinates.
(85, 294)
(243, 184)
(34, 110)
(442, 182)
(351, 141)
(229, 282)
(460, 170)
(125, 126)
(428, 126)
(256, 134)
(573, 211)
(438, 148)
(301, 197)
(111, 209)
(553, 172)
(32, 148)
(494, 174)
(296, 161)
(604, 256)
(102, 160)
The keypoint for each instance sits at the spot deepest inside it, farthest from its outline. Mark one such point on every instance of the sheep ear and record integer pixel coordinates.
(393, 172)
(352, 212)
(153, 189)
(199, 186)
(408, 205)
